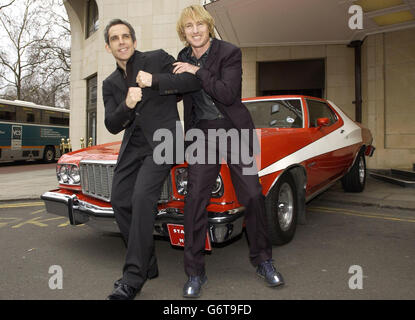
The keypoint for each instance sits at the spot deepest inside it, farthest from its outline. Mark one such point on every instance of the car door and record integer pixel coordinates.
(329, 159)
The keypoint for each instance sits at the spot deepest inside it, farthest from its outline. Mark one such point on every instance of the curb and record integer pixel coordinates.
(368, 204)
(21, 199)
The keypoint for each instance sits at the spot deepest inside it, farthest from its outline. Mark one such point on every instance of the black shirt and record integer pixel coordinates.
(131, 81)
(205, 108)
(129, 78)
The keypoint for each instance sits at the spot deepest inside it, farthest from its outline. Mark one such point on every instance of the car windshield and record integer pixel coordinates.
(276, 113)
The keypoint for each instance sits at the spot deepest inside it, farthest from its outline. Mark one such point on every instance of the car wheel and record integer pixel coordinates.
(281, 210)
(49, 154)
(355, 179)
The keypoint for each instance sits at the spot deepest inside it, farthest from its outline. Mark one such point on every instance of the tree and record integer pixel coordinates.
(6, 4)
(35, 52)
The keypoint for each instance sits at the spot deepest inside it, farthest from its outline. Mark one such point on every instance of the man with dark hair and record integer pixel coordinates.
(137, 178)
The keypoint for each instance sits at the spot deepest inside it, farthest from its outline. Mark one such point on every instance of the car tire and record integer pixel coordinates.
(49, 154)
(355, 179)
(281, 210)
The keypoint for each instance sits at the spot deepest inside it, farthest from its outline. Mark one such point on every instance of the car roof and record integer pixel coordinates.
(290, 96)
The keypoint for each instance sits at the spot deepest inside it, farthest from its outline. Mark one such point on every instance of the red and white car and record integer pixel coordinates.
(307, 144)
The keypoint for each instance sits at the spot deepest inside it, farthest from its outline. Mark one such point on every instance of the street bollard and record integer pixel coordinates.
(69, 146)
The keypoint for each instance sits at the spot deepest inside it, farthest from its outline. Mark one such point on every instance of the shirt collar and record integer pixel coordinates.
(129, 62)
(192, 57)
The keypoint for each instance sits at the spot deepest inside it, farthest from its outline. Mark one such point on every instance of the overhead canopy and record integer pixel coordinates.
(254, 23)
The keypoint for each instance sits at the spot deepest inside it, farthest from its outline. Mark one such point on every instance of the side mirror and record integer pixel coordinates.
(322, 122)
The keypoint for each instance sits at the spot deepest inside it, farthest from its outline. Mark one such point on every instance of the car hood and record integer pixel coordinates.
(107, 152)
(275, 144)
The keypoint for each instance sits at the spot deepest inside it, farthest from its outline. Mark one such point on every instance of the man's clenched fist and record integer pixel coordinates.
(133, 96)
(144, 79)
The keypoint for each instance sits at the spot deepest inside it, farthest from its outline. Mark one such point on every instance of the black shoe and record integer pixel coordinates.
(151, 274)
(267, 271)
(123, 292)
(193, 286)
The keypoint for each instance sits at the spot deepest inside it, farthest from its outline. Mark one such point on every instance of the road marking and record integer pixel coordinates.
(357, 213)
(37, 222)
(38, 211)
(21, 205)
(12, 220)
(67, 223)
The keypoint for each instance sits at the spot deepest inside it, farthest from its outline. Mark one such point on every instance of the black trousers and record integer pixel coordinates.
(136, 189)
(201, 179)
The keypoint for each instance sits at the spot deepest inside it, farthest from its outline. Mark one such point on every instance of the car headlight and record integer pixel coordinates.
(68, 174)
(218, 188)
(181, 183)
(75, 174)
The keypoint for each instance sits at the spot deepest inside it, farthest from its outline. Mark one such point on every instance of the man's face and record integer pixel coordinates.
(121, 43)
(197, 33)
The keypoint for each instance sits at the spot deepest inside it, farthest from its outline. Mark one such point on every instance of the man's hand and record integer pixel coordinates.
(180, 67)
(133, 96)
(144, 79)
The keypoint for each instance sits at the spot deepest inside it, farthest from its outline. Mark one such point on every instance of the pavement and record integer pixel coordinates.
(29, 181)
(26, 181)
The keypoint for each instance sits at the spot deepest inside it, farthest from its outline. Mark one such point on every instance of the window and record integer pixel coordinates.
(54, 118)
(30, 115)
(92, 22)
(276, 113)
(65, 119)
(7, 113)
(319, 109)
(91, 109)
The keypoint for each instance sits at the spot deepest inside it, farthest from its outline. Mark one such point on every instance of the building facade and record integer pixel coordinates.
(280, 55)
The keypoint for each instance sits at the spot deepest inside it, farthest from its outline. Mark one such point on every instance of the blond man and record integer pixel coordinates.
(218, 66)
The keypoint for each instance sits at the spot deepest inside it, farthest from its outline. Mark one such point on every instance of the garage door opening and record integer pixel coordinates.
(305, 77)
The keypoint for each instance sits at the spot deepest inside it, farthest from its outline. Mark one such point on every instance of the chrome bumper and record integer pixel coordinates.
(222, 226)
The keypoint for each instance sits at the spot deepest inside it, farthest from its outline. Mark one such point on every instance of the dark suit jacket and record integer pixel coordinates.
(154, 111)
(221, 78)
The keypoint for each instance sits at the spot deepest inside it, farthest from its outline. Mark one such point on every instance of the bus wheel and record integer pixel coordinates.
(49, 154)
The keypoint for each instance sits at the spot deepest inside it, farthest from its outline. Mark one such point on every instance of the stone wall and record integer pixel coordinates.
(155, 25)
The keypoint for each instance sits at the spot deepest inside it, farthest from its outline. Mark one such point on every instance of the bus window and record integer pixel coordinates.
(7, 113)
(31, 115)
(49, 117)
(55, 118)
(65, 119)
(58, 120)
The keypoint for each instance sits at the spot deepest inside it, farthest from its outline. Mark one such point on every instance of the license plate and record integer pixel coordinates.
(176, 234)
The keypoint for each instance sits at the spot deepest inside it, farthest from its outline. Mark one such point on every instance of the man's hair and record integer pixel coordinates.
(115, 22)
(197, 13)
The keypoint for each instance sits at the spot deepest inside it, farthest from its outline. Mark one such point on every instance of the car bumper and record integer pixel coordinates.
(222, 226)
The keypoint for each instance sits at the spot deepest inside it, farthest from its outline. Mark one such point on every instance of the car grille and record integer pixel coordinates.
(96, 180)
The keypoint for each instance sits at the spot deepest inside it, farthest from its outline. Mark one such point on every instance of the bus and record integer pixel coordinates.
(31, 132)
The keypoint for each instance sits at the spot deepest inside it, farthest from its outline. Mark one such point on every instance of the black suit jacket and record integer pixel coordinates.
(221, 78)
(156, 109)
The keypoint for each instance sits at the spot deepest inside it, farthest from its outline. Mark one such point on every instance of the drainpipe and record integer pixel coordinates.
(357, 45)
